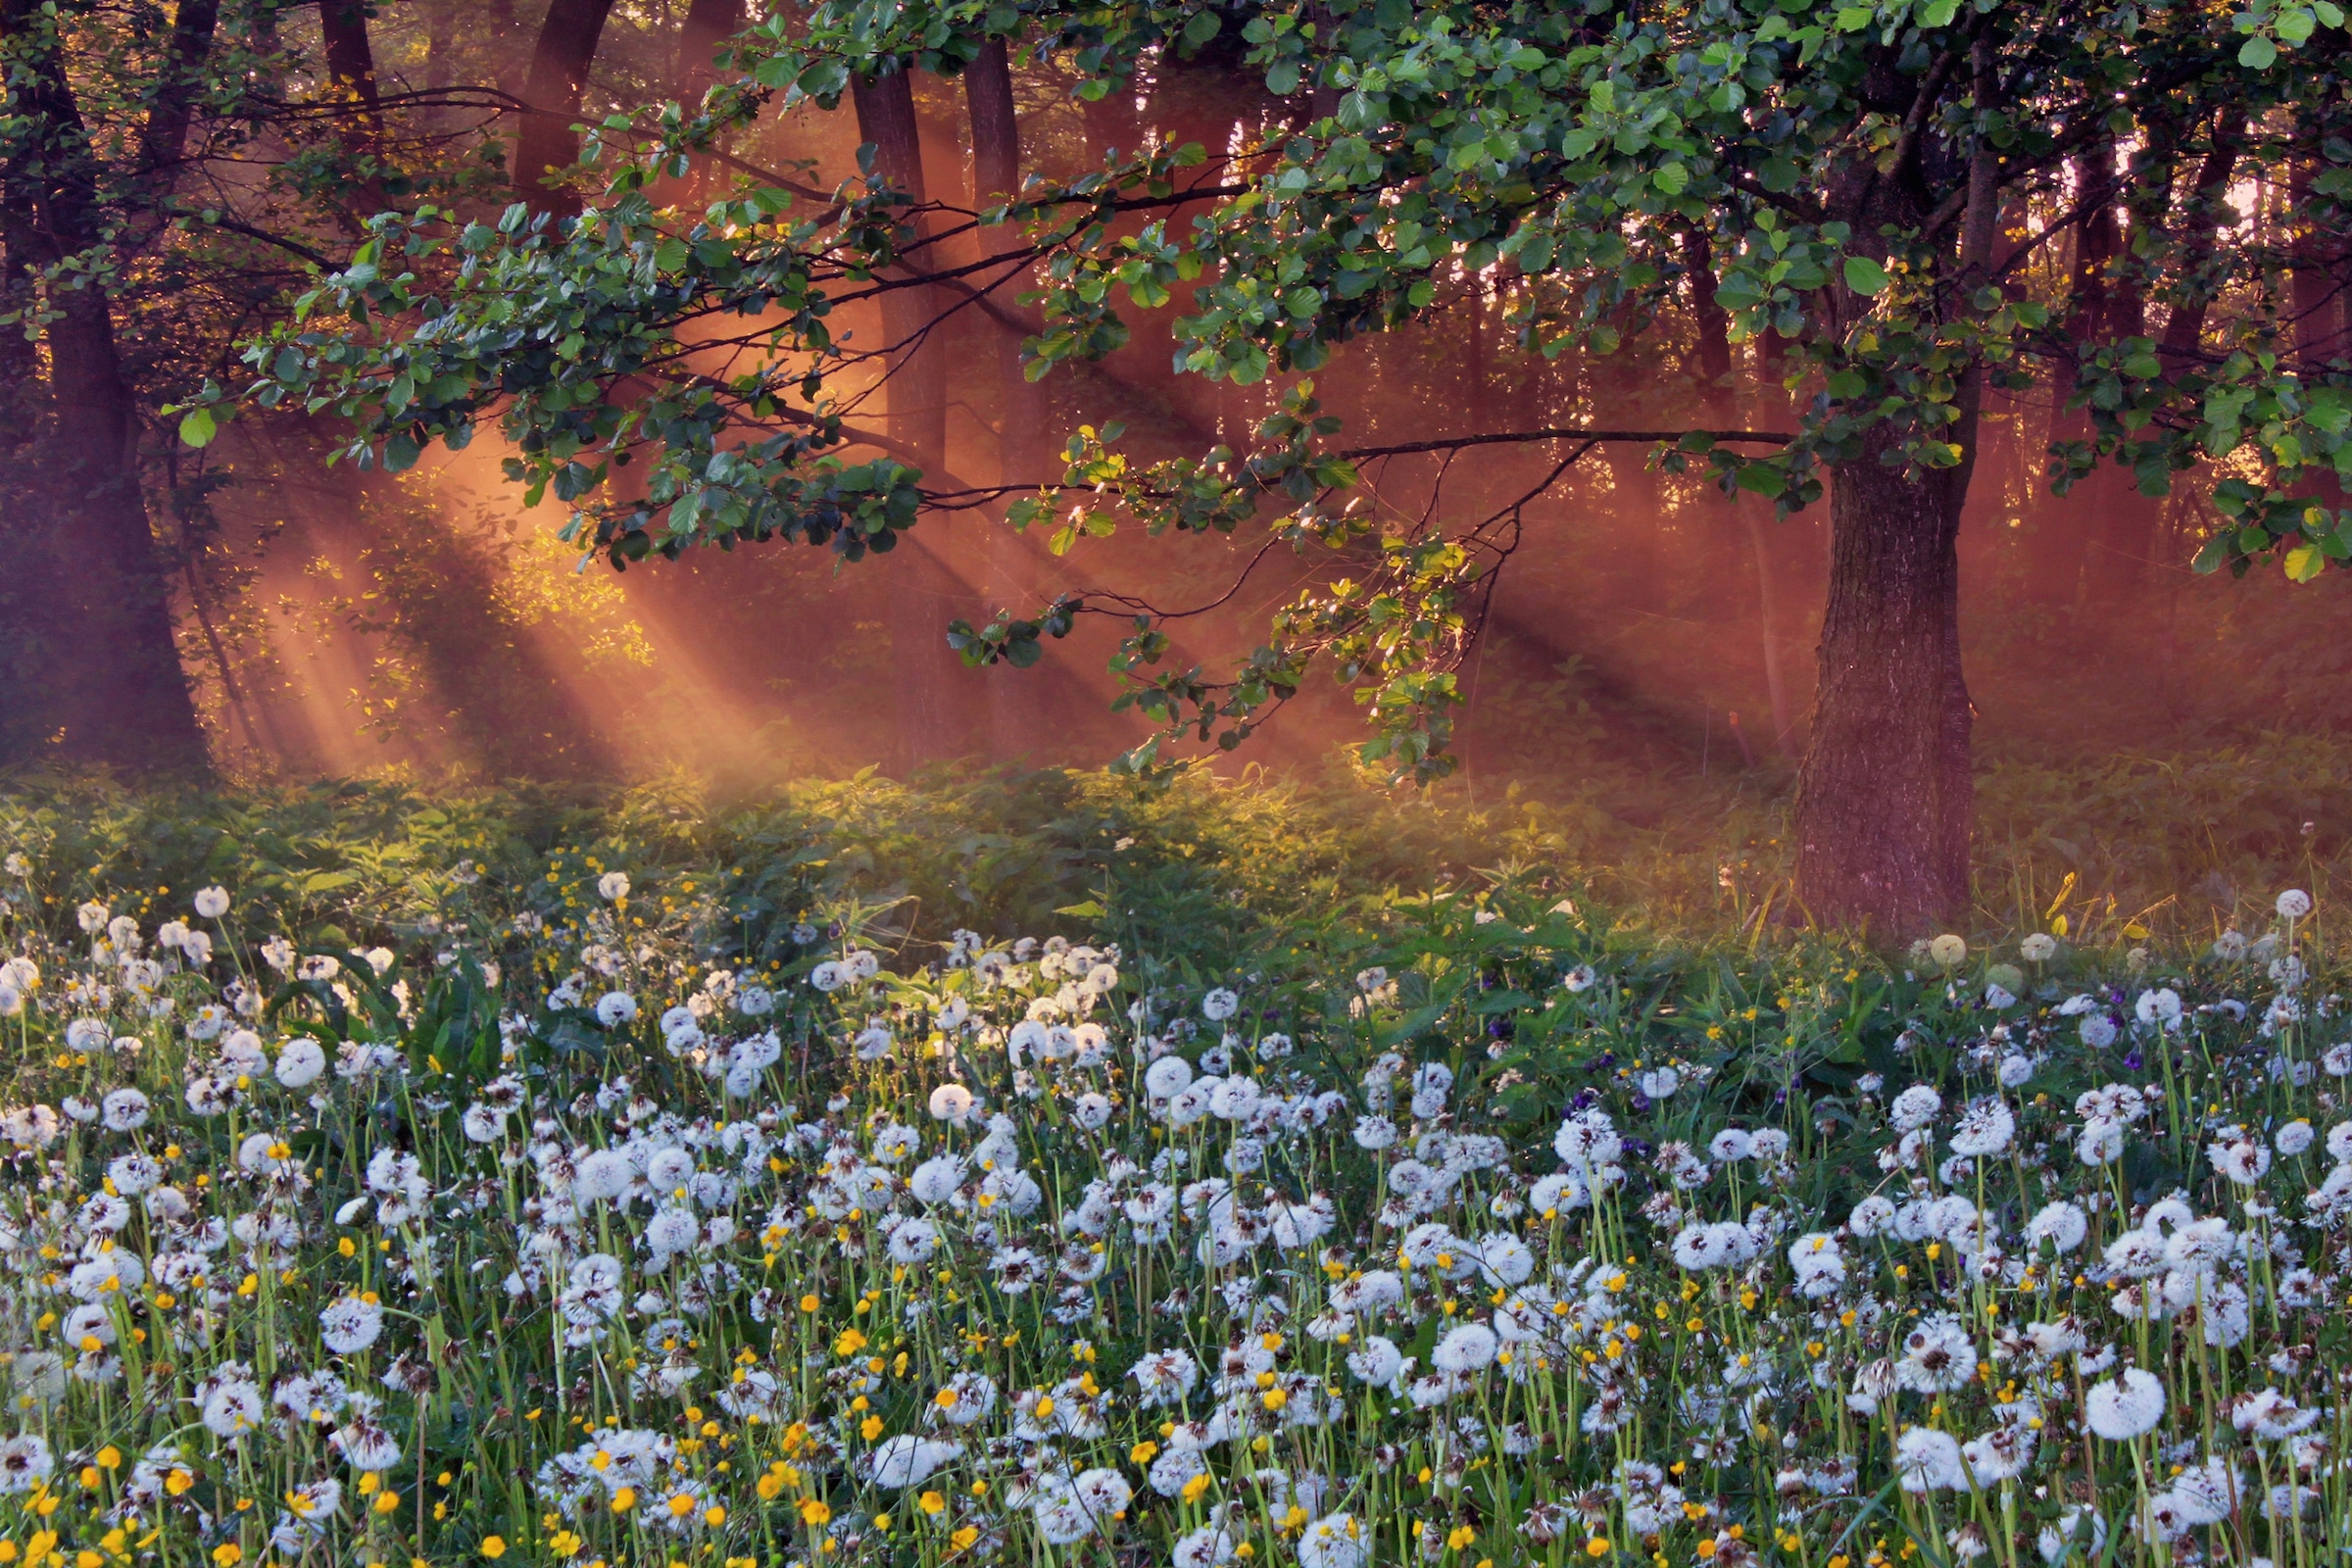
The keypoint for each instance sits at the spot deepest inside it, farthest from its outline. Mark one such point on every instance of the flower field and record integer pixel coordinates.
(600, 1217)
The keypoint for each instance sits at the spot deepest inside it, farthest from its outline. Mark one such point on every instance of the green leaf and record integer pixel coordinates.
(1086, 909)
(1671, 179)
(2258, 53)
(1864, 275)
(198, 427)
(2304, 563)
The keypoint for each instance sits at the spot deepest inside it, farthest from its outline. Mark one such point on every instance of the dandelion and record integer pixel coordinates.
(2126, 1406)
(907, 1460)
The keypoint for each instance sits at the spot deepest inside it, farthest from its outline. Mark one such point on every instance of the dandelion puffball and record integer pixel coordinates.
(2127, 1405)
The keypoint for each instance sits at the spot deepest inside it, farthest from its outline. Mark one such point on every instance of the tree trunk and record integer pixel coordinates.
(930, 726)
(2208, 198)
(2316, 289)
(350, 59)
(547, 145)
(122, 696)
(1720, 401)
(1883, 799)
(164, 138)
(2065, 524)
(1021, 419)
(708, 23)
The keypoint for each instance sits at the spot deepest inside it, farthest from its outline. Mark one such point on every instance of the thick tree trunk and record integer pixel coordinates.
(547, 145)
(930, 720)
(1884, 800)
(119, 692)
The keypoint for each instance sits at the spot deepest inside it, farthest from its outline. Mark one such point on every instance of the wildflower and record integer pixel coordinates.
(1985, 1127)
(1464, 1349)
(1335, 1541)
(1914, 1108)
(1929, 1460)
(350, 1324)
(25, 1462)
(300, 1063)
(2126, 1406)
(907, 1460)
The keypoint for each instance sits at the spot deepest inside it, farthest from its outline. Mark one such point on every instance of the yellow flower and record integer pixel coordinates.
(715, 1516)
(1598, 1547)
(814, 1512)
(625, 1499)
(681, 1505)
(493, 1547)
(931, 1503)
(963, 1539)
(228, 1554)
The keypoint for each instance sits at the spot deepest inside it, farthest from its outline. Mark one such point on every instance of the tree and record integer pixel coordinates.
(1849, 165)
(546, 147)
(118, 695)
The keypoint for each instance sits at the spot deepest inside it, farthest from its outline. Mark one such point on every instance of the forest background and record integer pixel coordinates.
(179, 176)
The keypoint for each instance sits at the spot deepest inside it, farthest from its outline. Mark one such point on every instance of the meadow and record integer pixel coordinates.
(1035, 1170)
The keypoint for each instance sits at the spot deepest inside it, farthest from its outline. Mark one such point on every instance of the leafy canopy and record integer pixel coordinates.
(1846, 167)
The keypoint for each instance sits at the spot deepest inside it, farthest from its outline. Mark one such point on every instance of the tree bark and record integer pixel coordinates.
(350, 58)
(930, 723)
(122, 696)
(2201, 224)
(2317, 292)
(1021, 422)
(1884, 798)
(164, 138)
(547, 146)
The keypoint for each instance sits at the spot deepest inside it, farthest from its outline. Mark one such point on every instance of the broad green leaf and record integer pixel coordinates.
(1864, 275)
(198, 427)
